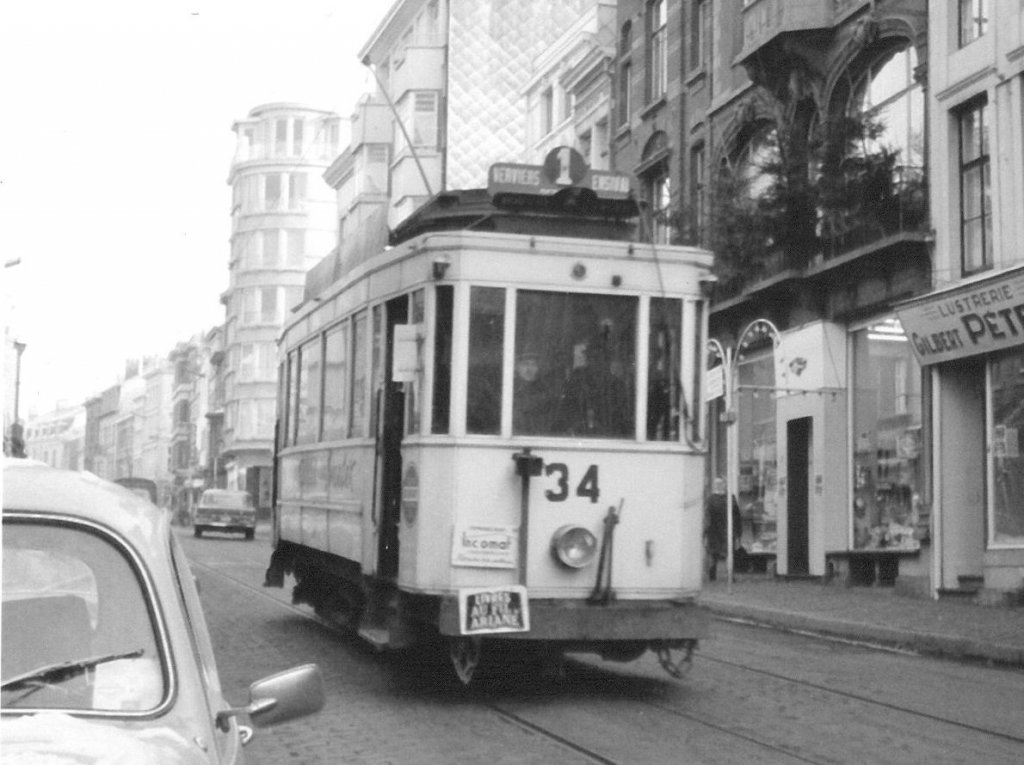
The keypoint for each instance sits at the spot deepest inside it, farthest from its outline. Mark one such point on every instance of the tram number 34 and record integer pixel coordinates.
(587, 487)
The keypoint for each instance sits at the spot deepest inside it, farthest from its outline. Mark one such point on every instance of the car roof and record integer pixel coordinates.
(34, 487)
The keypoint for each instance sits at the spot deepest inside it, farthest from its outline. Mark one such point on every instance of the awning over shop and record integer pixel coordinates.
(984, 316)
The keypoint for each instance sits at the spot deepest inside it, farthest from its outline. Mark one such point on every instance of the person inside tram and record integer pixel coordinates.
(531, 396)
(594, 401)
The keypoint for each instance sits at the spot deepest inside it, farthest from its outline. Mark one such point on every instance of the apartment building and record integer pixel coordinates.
(967, 333)
(282, 223)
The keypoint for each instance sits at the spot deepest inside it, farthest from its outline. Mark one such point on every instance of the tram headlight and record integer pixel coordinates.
(574, 546)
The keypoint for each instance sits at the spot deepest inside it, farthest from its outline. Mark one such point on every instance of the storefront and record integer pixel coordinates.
(829, 450)
(971, 338)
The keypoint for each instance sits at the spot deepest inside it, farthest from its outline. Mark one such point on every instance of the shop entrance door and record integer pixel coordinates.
(798, 459)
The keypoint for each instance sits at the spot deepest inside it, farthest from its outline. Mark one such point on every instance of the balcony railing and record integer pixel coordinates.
(874, 206)
(871, 203)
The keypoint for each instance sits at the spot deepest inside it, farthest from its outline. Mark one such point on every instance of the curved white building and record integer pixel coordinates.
(282, 222)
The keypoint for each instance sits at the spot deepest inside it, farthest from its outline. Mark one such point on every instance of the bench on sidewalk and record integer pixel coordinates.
(866, 568)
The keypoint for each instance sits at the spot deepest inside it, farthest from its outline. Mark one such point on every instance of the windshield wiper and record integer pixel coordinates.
(54, 673)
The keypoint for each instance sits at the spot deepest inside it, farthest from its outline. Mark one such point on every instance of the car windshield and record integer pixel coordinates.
(78, 631)
(235, 500)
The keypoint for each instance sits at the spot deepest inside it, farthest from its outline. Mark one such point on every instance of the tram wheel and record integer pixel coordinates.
(465, 655)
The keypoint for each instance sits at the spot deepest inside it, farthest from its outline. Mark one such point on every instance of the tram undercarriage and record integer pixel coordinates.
(388, 618)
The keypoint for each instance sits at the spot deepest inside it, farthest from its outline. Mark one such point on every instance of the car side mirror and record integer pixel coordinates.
(288, 695)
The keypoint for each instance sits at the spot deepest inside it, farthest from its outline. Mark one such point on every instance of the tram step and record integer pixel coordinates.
(378, 637)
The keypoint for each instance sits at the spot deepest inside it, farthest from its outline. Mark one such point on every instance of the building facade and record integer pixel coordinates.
(57, 438)
(967, 332)
(455, 102)
(790, 139)
(283, 221)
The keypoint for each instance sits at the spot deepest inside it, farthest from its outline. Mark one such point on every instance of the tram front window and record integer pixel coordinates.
(575, 366)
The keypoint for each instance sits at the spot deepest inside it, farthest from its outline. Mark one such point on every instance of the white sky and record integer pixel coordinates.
(114, 154)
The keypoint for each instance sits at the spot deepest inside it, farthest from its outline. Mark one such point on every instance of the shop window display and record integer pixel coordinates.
(1007, 520)
(757, 480)
(887, 479)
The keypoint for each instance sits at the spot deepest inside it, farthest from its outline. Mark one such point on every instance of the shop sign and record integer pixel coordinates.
(801, 356)
(982, 317)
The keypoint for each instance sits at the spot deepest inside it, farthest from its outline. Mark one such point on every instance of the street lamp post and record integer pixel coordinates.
(17, 432)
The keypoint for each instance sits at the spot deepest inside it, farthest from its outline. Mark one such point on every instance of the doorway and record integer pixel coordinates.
(798, 460)
(391, 428)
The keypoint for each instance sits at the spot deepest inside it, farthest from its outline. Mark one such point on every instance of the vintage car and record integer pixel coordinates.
(225, 510)
(105, 654)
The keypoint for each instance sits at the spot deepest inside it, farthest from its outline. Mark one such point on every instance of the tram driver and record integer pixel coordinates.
(594, 401)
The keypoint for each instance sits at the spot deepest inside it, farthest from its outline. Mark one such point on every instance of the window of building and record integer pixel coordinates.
(698, 190)
(296, 247)
(975, 190)
(486, 341)
(888, 97)
(547, 110)
(755, 160)
(272, 191)
(973, 20)
(268, 305)
(625, 73)
(423, 122)
(336, 382)
(271, 254)
(296, 190)
(755, 403)
(887, 459)
(657, 56)
(625, 92)
(1006, 514)
(280, 137)
(658, 193)
(298, 127)
(698, 30)
(599, 159)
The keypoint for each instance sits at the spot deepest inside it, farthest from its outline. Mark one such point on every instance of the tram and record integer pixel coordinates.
(490, 432)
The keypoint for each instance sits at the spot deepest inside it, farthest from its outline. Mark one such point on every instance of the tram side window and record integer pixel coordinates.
(336, 383)
(358, 428)
(417, 311)
(307, 428)
(441, 405)
(486, 334)
(293, 397)
(664, 381)
(575, 365)
(376, 364)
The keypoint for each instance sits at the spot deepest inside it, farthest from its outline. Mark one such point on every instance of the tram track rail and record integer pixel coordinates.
(592, 753)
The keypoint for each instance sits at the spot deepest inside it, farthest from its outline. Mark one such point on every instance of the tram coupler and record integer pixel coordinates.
(676, 668)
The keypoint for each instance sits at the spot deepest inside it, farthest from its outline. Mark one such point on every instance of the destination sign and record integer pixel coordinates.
(563, 168)
(978, 318)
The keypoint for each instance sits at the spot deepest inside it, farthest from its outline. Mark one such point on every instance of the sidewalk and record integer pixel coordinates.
(875, 615)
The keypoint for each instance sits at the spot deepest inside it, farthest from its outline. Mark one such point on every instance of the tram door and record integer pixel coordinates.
(389, 441)
(798, 439)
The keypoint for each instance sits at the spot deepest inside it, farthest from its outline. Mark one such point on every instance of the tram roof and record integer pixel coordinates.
(571, 212)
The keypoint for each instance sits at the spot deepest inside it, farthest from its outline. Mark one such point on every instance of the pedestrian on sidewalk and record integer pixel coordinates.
(716, 528)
